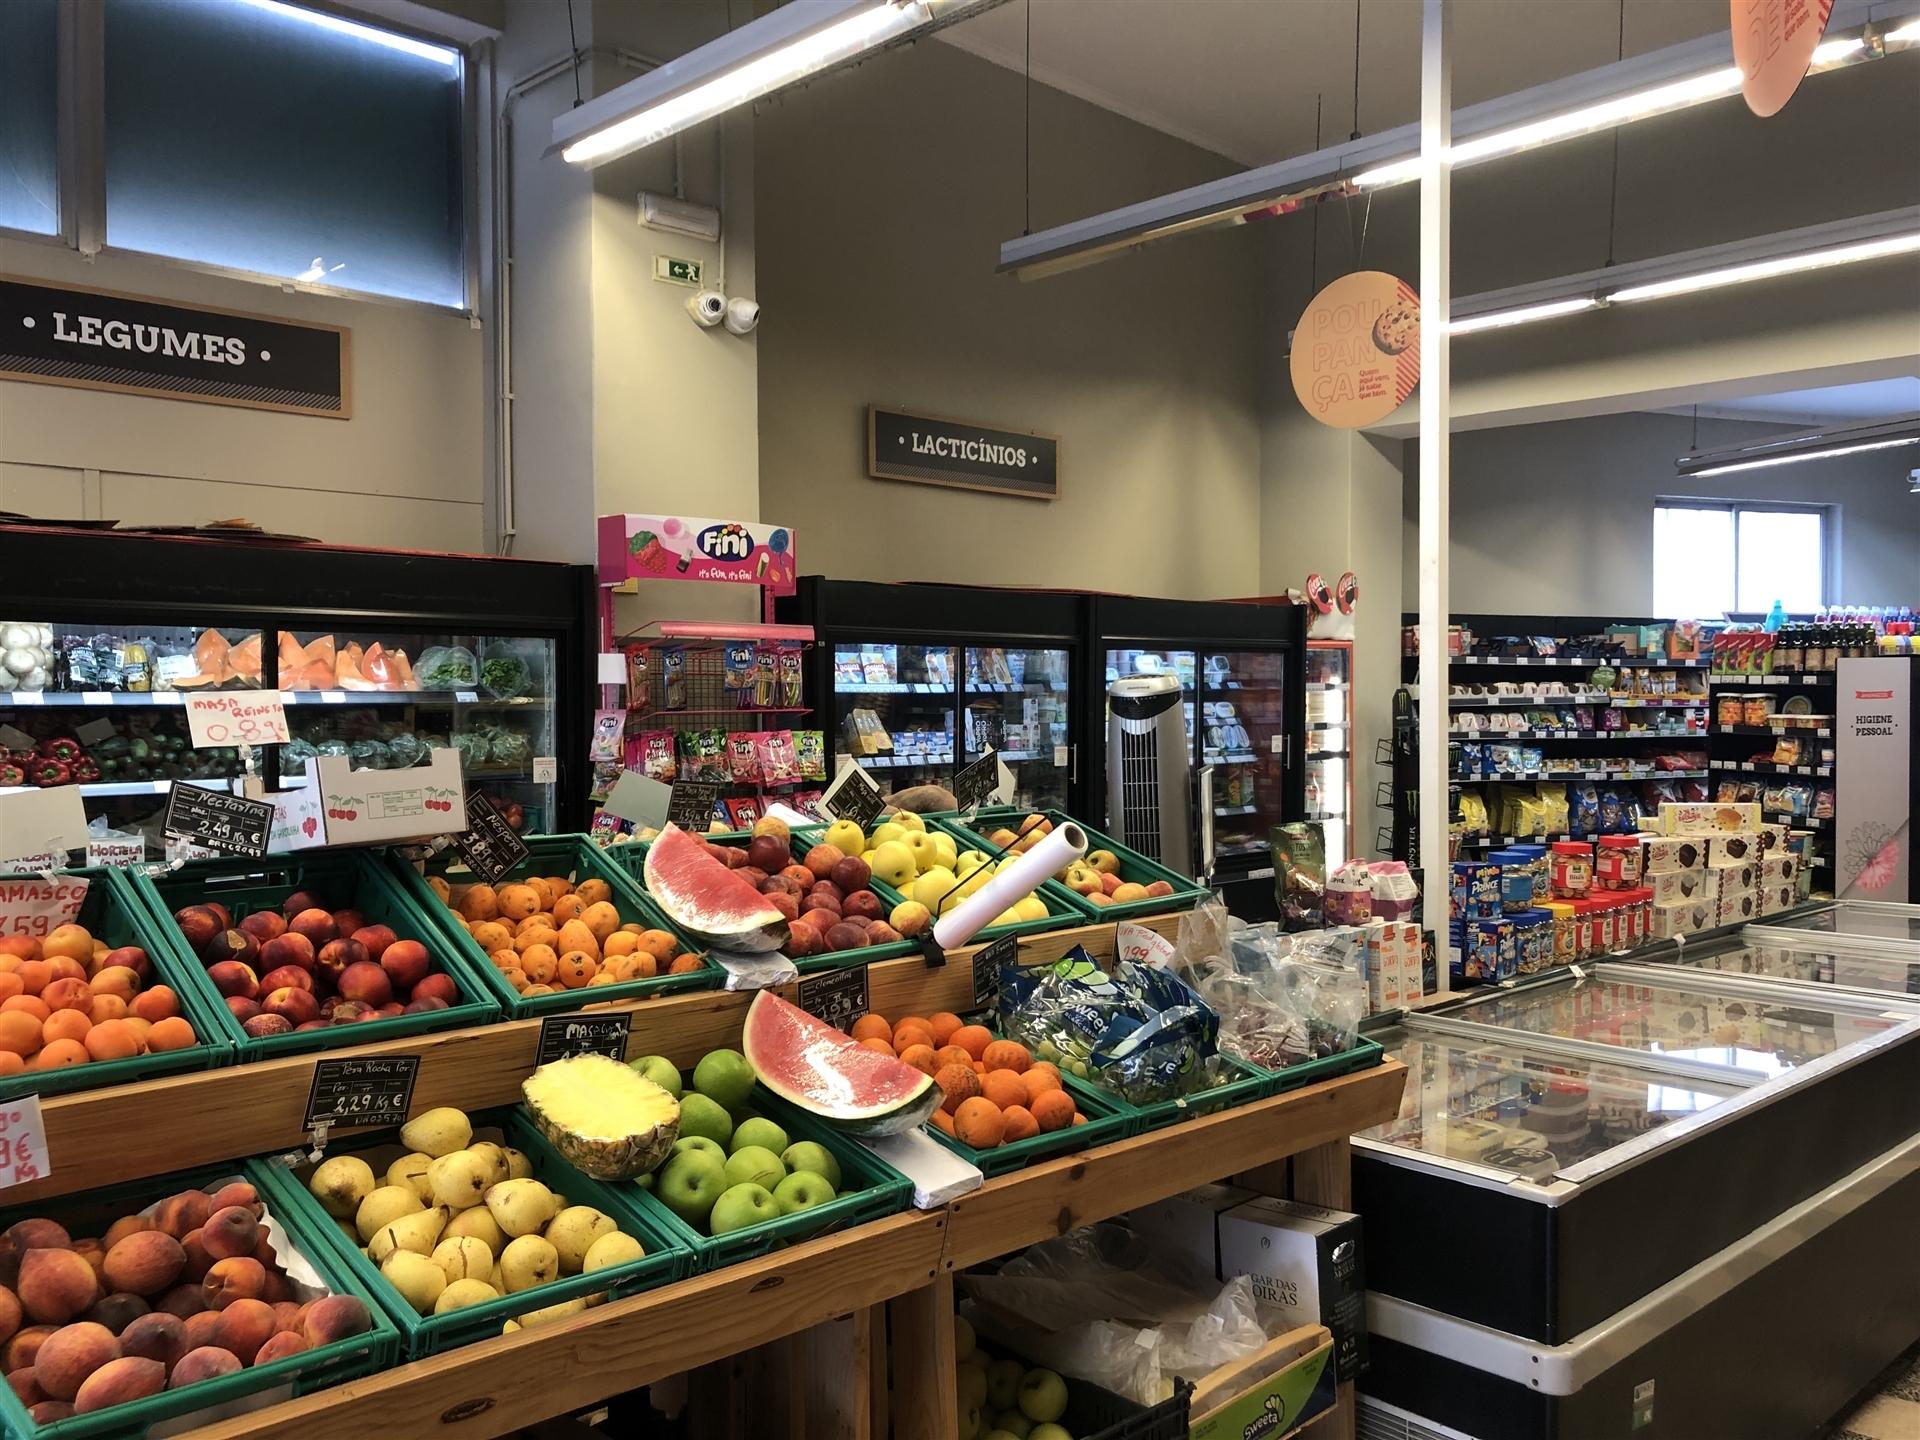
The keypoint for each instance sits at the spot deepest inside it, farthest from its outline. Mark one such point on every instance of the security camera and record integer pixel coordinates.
(742, 315)
(708, 308)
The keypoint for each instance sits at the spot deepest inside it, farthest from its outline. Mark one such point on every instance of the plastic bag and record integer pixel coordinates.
(1106, 1305)
(1299, 873)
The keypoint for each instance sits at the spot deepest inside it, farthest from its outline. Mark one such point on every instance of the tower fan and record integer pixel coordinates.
(1148, 761)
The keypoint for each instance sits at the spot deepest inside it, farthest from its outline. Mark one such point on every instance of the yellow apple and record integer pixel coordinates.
(846, 837)
(889, 831)
(910, 820)
(891, 862)
(920, 844)
(1105, 861)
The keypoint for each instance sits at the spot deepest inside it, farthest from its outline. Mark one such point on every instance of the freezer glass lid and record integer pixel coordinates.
(1863, 920)
(1827, 965)
(1740, 1031)
(1509, 1109)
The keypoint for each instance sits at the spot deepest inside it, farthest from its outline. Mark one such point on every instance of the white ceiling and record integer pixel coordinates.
(1830, 404)
(1243, 78)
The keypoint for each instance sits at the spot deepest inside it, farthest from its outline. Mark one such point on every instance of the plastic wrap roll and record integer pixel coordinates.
(1067, 843)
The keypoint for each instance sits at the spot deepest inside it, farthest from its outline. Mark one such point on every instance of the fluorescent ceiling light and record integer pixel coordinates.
(1806, 455)
(387, 39)
(1800, 445)
(1521, 315)
(1767, 269)
(801, 38)
(1906, 35)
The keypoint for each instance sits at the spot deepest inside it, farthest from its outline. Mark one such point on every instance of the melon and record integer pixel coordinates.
(715, 905)
(826, 1073)
(605, 1118)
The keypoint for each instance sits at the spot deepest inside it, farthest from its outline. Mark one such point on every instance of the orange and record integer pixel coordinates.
(659, 943)
(1037, 1081)
(914, 1022)
(683, 963)
(920, 1057)
(973, 1039)
(68, 995)
(1053, 1109)
(27, 1004)
(951, 1055)
(70, 941)
(539, 963)
(978, 1123)
(872, 1027)
(156, 1003)
(914, 1034)
(1007, 1055)
(35, 976)
(60, 1054)
(577, 968)
(943, 1120)
(173, 1033)
(112, 1041)
(957, 1083)
(874, 1042)
(1004, 1089)
(65, 1025)
(19, 1033)
(1020, 1124)
(943, 1023)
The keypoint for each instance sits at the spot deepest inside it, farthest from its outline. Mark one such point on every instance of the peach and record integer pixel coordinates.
(38, 1235)
(345, 922)
(301, 900)
(406, 962)
(183, 1301)
(288, 950)
(294, 1004)
(145, 1263)
(364, 981)
(118, 1381)
(115, 980)
(264, 925)
(155, 1337)
(236, 946)
(128, 957)
(862, 905)
(25, 1389)
(207, 1362)
(376, 938)
(259, 1027)
(199, 924)
(70, 1355)
(336, 957)
(56, 1285)
(286, 977)
(117, 1311)
(156, 1003)
(821, 859)
(48, 1411)
(315, 925)
(24, 1348)
(95, 1254)
(110, 1007)
(244, 1326)
(240, 1277)
(234, 980)
(279, 1346)
(334, 1317)
(198, 1260)
(10, 1315)
(229, 1232)
(200, 1329)
(173, 1033)
(235, 1192)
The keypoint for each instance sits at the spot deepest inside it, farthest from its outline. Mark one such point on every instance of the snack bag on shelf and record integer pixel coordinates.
(651, 752)
(743, 758)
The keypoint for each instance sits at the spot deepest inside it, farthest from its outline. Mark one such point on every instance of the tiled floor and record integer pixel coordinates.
(1893, 1413)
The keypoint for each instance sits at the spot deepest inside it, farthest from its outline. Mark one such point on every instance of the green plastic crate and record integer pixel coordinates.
(1104, 1122)
(578, 858)
(1364, 1055)
(1134, 867)
(667, 1258)
(354, 879)
(881, 1191)
(1248, 1084)
(114, 913)
(802, 841)
(302, 1373)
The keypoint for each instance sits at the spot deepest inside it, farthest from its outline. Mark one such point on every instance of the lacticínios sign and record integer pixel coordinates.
(933, 451)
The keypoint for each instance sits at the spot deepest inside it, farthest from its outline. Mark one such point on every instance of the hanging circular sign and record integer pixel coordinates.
(1319, 597)
(1773, 43)
(1346, 590)
(1356, 351)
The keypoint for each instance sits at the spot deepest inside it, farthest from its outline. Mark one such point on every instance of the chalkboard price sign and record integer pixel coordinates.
(974, 783)
(579, 1034)
(369, 1090)
(987, 961)
(853, 796)
(231, 824)
(838, 997)
(690, 806)
(489, 845)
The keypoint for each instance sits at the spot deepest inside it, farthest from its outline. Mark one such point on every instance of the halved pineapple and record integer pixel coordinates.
(604, 1118)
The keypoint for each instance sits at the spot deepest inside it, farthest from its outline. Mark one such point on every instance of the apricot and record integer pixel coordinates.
(10, 985)
(10, 1063)
(112, 1040)
(69, 940)
(118, 1381)
(1006, 1055)
(145, 1263)
(957, 1083)
(977, 1122)
(1053, 1109)
(155, 1336)
(19, 1033)
(173, 1033)
(205, 1362)
(1003, 1088)
(116, 980)
(155, 1004)
(20, 947)
(60, 1054)
(71, 1354)
(64, 1025)
(24, 1348)
(65, 967)
(973, 1039)
(1020, 1124)
(107, 1007)
(56, 1285)
(117, 1311)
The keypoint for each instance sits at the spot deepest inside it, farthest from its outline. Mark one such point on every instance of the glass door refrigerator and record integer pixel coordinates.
(1242, 673)
(380, 656)
(914, 681)
(1329, 746)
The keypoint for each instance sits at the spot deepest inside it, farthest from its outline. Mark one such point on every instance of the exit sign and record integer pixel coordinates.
(678, 272)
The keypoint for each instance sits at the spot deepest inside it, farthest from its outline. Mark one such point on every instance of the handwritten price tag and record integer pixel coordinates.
(23, 1143)
(37, 907)
(237, 717)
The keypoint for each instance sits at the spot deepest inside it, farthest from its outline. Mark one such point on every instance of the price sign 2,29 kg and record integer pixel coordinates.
(363, 1090)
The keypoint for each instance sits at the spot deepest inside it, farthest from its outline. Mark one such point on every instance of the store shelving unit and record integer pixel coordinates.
(1736, 750)
(791, 1296)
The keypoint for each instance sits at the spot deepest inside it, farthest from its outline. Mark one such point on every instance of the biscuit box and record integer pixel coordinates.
(1775, 897)
(1187, 1223)
(1736, 879)
(1773, 839)
(1736, 849)
(1672, 852)
(1738, 908)
(1681, 917)
(1684, 817)
(1670, 887)
(1778, 868)
(1306, 1264)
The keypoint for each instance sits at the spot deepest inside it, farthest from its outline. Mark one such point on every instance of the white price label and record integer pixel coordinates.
(466, 697)
(23, 1143)
(612, 667)
(546, 769)
(237, 717)
(116, 852)
(1059, 757)
(1278, 744)
(97, 697)
(333, 697)
(27, 697)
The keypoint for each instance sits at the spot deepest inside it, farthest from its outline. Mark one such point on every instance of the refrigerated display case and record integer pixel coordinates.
(1329, 745)
(1242, 669)
(1608, 1192)
(380, 656)
(914, 681)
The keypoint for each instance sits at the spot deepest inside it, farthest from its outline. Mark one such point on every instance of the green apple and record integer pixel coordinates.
(972, 1383)
(701, 1144)
(755, 1165)
(891, 863)
(963, 1338)
(1048, 1432)
(1013, 1423)
(661, 1071)
(764, 1133)
(724, 1076)
(1003, 1384)
(802, 1192)
(688, 1186)
(644, 1182)
(741, 1206)
(1043, 1396)
(704, 1116)
(969, 1421)
(999, 1432)
(813, 1157)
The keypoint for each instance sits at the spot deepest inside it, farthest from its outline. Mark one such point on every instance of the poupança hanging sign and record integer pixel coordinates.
(1356, 350)
(1773, 44)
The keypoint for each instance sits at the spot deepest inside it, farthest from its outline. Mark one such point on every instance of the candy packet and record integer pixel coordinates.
(654, 757)
(1299, 873)
(673, 679)
(737, 674)
(789, 670)
(778, 765)
(810, 754)
(703, 755)
(743, 811)
(766, 679)
(743, 758)
(639, 677)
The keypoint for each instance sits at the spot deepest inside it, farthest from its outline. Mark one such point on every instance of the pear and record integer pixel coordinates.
(438, 1132)
(382, 1207)
(464, 1258)
(614, 1249)
(480, 1224)
(551, 1312)
(459, 1181)
(521, 1207)
(462, 1293)
(528, 1262)
(572, 1233)
(340, 1184)
(494, 1157)
(417, 1278)
(418, 1232)
(519, 1167)
(411, 1171)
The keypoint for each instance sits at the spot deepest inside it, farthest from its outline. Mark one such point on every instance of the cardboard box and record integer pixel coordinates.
(1736, 878)
(341, 806)
(1773, 840)
(1382, 967)
(1737, 909)
(1686, 817)
(1307, 1267)
(1736, 849)
(1681, 917)
(1663, 853)
(1776, 896)
(1270, 1393)
(1672, 887)
(1188, 1224)
(1412, 979)
(1778, 867)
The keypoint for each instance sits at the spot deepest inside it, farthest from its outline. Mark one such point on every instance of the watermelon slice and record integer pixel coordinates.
(707, 900)
(812, 1065)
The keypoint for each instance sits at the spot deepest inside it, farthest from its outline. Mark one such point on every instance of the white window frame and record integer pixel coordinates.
(1827, 515)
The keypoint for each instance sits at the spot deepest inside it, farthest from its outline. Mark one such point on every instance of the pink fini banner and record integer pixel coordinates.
(686, 547)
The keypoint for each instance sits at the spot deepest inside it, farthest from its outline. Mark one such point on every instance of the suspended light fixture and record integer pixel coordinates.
(1825, 443)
